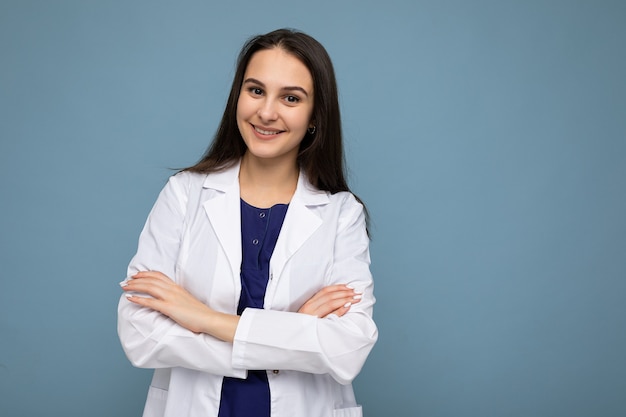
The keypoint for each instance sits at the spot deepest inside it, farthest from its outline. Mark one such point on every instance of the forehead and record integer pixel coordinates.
(277, 67)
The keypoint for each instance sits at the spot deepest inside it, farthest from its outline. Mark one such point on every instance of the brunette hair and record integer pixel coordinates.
(321, 153)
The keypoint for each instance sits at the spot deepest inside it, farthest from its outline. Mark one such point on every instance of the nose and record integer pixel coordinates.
(267, 110)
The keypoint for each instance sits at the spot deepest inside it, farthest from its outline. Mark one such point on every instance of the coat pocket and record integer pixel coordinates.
(348, 412)
(155, 403)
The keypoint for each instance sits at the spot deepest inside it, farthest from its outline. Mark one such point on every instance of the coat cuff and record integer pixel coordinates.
(266, 338)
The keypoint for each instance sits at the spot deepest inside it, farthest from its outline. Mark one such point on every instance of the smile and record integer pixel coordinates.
(267, 132)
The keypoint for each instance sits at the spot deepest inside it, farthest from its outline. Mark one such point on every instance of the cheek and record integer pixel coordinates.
(241, 118)
(244, 108)
(301, 120)
(240, 110)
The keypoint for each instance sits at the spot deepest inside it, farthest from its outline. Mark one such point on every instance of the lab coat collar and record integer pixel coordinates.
(224, 212)
(224, 179)
(227, 179)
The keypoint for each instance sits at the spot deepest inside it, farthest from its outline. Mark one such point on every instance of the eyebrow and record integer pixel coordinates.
(288, 88)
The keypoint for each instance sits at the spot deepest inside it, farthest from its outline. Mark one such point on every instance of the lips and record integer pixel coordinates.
(266, 132)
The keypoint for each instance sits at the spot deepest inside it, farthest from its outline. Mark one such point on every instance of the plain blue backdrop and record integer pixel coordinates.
(488, 139)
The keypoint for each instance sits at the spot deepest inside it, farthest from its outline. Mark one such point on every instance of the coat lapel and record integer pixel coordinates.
(223, 211)
(299, 224)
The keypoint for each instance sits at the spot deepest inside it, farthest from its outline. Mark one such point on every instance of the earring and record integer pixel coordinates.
(311, 130)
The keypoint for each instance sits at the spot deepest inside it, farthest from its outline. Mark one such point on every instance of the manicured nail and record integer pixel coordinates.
(128, 295)
(349, 286)
(123, 283)
(348, 304)
(357, 297)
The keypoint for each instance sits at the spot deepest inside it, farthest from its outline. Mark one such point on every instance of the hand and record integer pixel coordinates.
(168, 298)
(334, 299)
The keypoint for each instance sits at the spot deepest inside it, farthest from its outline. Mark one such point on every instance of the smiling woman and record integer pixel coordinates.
(274, 110)
(222, 297)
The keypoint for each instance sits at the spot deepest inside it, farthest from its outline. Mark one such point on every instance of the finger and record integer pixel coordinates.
(340, 311)
(331, 306)
(337, 288)
(141, 284)
(144, 301)
(334, 300)
(332, 293)
(152, 274)
(153, 288)
(329, 299)
(138, 281)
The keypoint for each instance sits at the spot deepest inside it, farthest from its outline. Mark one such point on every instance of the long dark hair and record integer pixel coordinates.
(321, 154)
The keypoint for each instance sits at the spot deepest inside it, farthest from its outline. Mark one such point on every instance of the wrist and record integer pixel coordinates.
(221, 325)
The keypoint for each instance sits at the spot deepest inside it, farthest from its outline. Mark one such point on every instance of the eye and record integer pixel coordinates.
(292, 99)
(256, 91)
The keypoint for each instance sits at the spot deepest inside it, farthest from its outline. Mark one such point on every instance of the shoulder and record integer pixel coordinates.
(343, 207)
(220, 178)
(182, 183)
(345, 200)
(179, 187)
(312, 196)
(186, 179)
(350, 208)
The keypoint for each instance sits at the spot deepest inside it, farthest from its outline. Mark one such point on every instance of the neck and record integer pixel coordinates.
(266, 183)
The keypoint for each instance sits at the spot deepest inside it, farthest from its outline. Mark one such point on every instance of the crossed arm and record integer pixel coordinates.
(172, 300)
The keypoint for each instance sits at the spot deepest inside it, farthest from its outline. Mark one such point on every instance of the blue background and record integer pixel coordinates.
(488, 139)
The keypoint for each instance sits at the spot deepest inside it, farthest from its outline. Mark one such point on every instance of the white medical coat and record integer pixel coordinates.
(193, 235)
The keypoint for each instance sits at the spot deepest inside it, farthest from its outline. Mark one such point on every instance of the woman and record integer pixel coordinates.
(250, 292)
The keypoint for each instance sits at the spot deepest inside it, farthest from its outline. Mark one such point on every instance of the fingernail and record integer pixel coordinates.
(128, 295)
(357, 297)
(349, 286)
(123, 283)
(348, 304)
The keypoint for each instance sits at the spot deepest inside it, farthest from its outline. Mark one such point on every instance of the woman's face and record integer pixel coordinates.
(275, 105)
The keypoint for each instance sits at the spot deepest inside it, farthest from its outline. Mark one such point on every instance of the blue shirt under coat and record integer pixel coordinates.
(260, 228)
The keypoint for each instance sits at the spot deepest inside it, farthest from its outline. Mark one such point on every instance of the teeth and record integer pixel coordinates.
(266, 132)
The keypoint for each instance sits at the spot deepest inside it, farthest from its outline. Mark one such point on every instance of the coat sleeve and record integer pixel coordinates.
(338, 346)
(149, 338)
